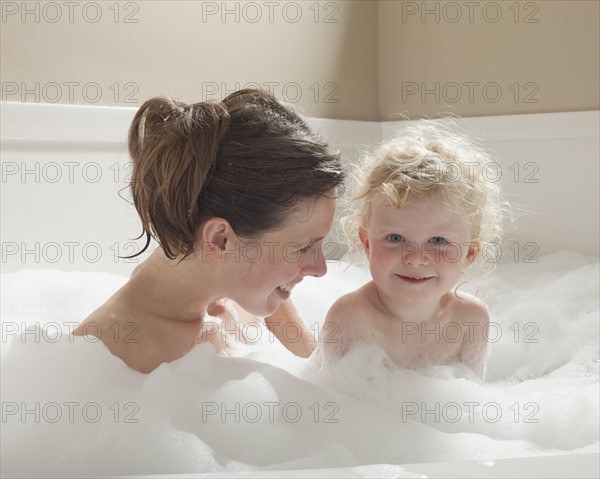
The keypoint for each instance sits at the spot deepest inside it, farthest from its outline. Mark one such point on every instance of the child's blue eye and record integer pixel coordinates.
(395, 238)
(437, 240)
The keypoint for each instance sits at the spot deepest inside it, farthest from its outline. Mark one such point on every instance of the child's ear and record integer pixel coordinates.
(472, 253)
(364, 238)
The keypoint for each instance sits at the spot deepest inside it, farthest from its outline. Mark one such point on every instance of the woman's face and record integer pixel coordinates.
(272, 265)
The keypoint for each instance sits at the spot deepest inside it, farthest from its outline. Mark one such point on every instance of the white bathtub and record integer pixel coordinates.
(580, 465)
(62, 167)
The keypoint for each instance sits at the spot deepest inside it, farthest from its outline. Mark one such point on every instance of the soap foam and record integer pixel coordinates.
(71, 407)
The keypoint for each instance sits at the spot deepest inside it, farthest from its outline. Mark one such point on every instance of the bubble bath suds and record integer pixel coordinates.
(69, 406)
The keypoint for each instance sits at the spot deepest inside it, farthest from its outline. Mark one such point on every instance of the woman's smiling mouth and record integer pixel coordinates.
(286, 290)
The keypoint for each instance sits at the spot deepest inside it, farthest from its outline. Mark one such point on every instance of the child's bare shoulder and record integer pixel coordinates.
(350, 305)
(351, 310)
(469, 308)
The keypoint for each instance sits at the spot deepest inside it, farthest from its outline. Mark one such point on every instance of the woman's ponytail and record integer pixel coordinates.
(174, 148)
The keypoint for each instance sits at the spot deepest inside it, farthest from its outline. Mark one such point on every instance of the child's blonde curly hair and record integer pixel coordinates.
(427, 159)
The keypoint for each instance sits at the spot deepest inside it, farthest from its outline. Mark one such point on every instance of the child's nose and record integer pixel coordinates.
(414, 254)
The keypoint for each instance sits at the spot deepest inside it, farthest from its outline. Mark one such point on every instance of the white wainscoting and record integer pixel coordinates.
(549, 167)
(63, 167)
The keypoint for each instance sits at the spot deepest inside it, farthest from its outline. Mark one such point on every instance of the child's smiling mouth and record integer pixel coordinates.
(414, 278)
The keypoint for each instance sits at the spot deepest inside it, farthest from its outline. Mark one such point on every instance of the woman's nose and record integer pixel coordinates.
(316, 264)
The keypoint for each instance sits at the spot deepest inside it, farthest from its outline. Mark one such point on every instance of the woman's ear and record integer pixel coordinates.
(472, 253)
(215, 236)
(364, 239)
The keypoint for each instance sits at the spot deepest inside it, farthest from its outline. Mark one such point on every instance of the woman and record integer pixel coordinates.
(239, 195)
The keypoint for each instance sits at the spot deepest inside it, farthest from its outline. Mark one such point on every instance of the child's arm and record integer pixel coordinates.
(475, 349)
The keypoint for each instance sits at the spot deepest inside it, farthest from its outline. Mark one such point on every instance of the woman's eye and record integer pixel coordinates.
(438, 240)
(395, 238)
(307, 248)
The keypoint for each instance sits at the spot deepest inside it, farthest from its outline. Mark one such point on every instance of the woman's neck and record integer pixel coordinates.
(168, 290)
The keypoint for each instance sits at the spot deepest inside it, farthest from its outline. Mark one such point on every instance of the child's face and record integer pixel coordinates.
(416, 253)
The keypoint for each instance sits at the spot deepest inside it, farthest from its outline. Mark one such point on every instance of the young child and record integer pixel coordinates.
(426, 207)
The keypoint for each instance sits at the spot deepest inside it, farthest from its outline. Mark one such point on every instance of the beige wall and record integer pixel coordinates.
(488, 58)
(320, 56)
(357, 60)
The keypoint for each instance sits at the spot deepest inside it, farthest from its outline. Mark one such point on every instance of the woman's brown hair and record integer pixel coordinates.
(249, 159)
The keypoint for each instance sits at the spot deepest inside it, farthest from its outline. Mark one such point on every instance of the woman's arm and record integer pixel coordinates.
(287, 326)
